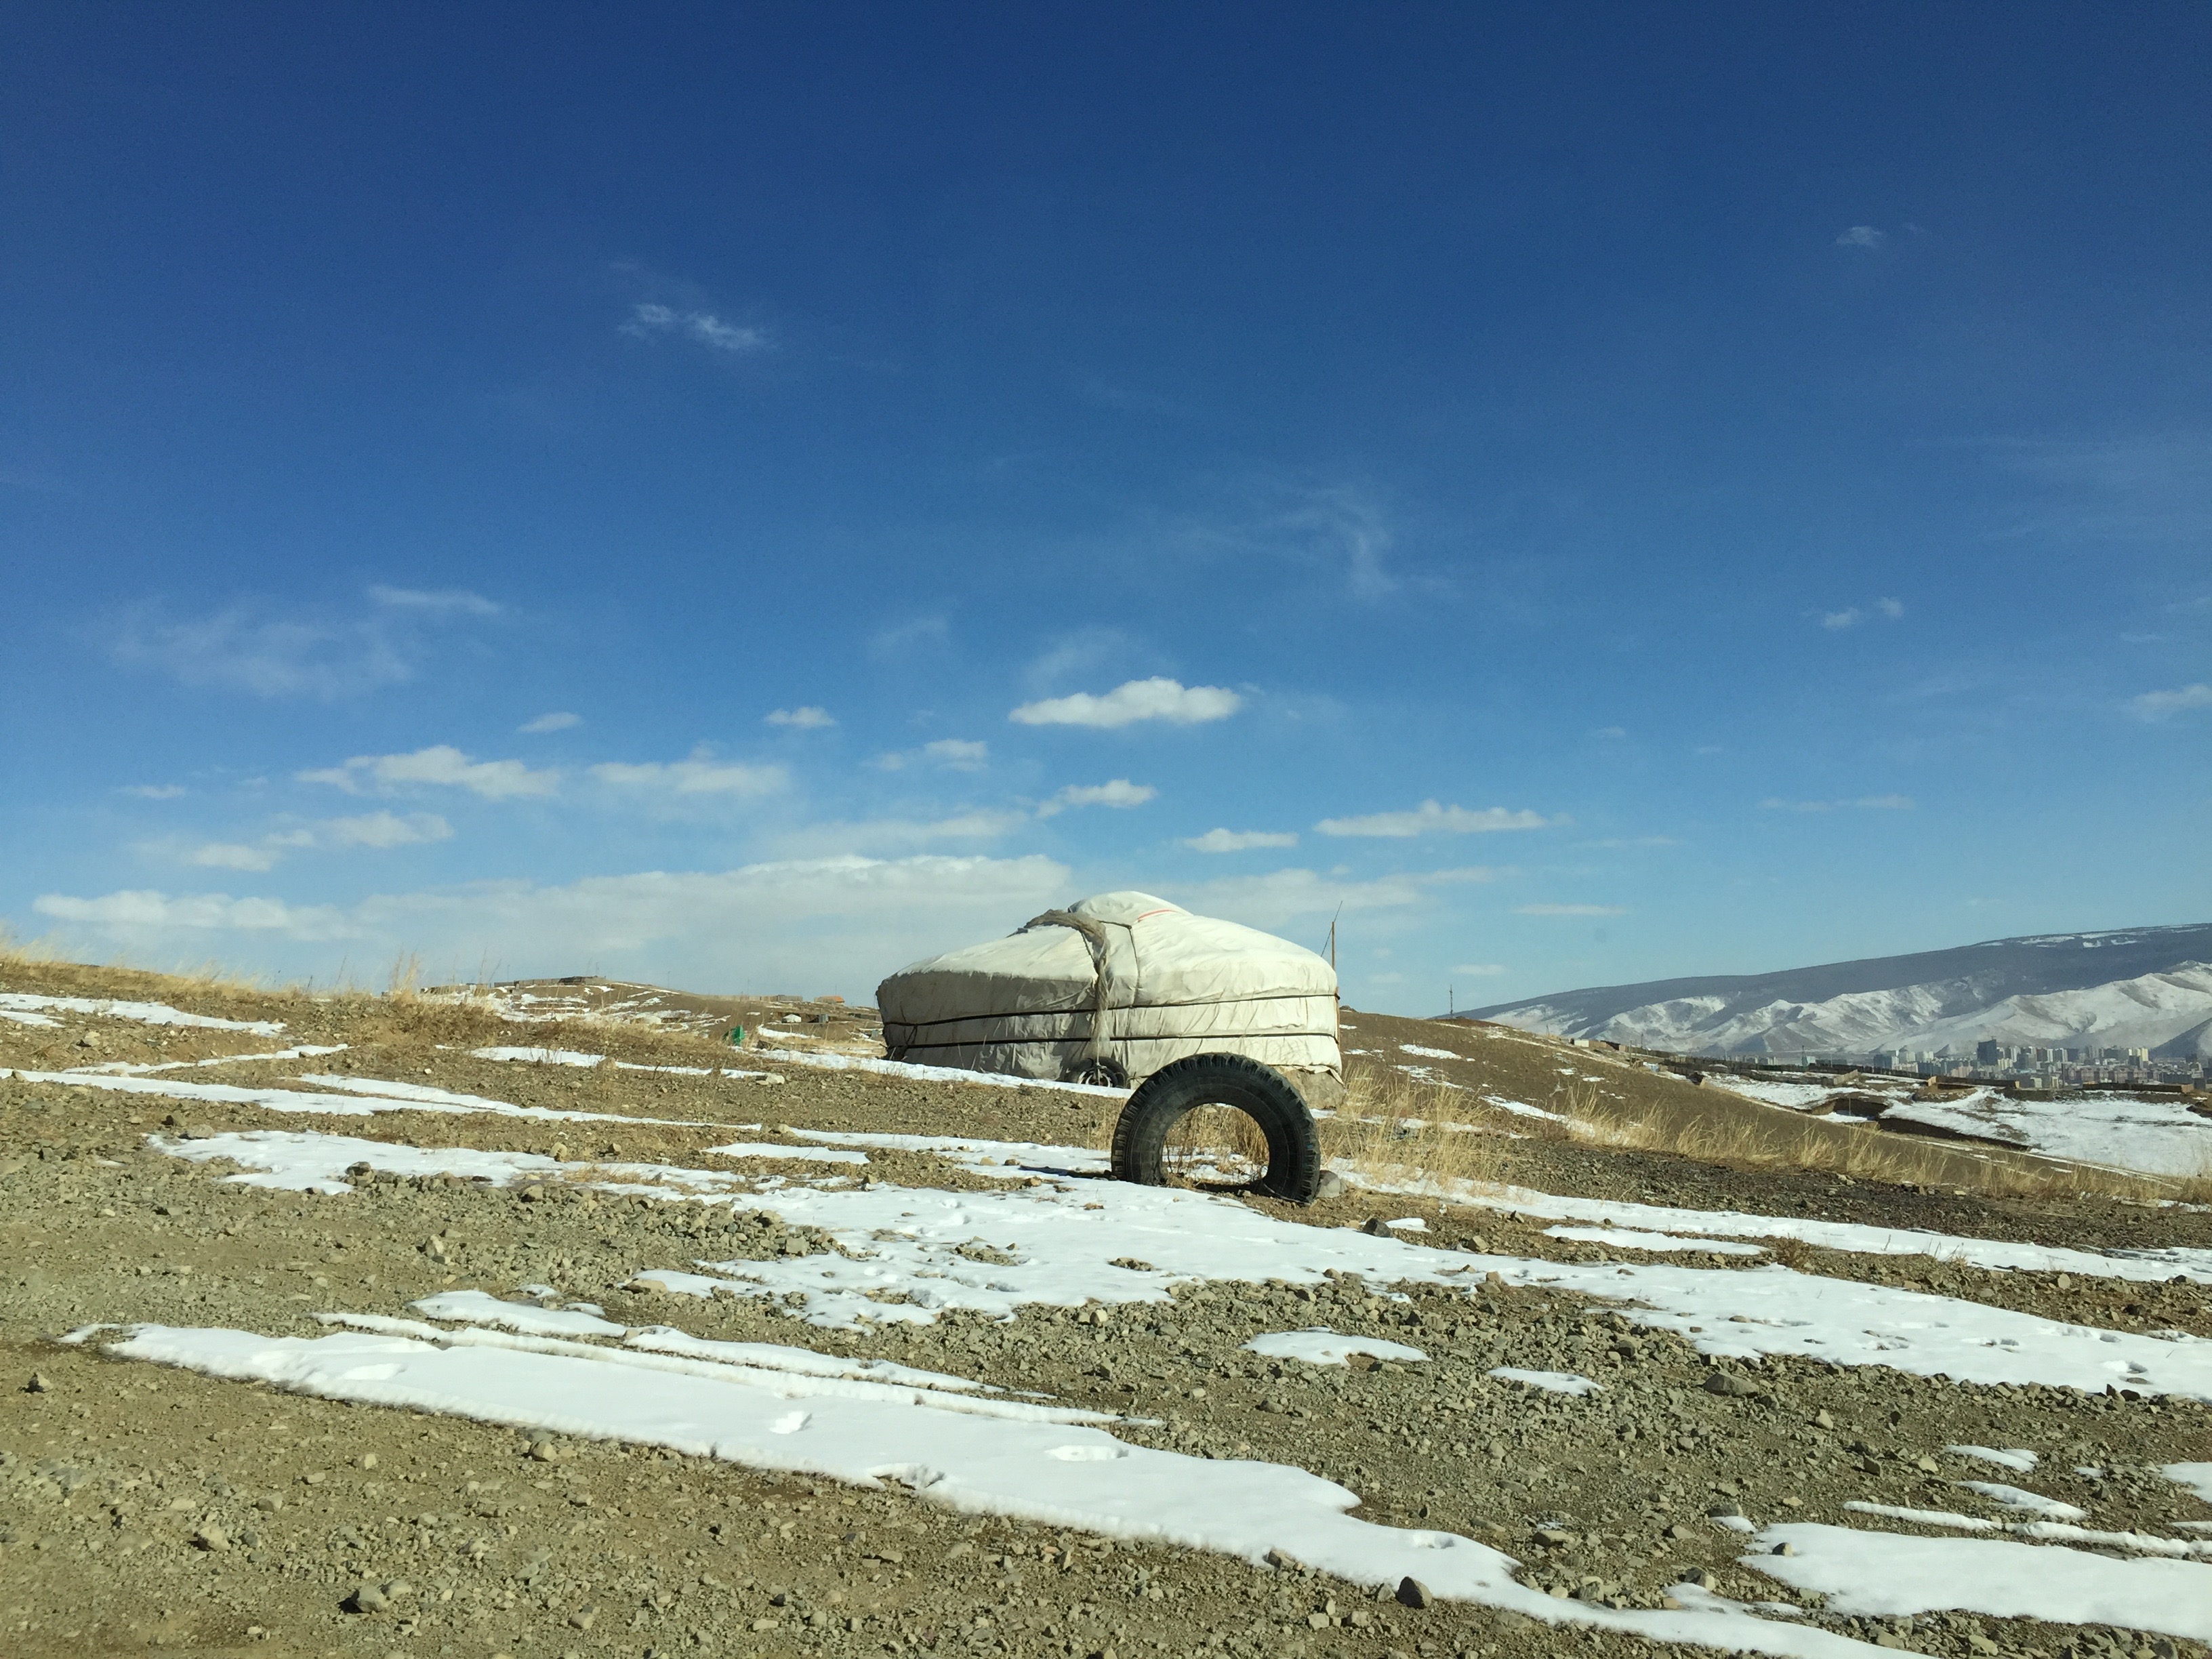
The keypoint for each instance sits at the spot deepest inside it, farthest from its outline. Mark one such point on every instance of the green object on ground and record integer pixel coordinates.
(737, 1036)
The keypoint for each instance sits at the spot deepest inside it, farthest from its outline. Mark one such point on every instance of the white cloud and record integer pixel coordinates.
(155, 790)
(1281, 898)
(1617, 841)
(2164, 705)
(1610, 733)
(814, 925)
(1892, 609)
(1871, 802)
(649, 320)
(1864, 236)
(1478, 969)
(1430, 818)
(698, 775)
(559, 721)
(1239, 841)
(1155, 699)
(806, 718)
(442, 765)
(442, 602)
(1116, 792)
(1569, 910)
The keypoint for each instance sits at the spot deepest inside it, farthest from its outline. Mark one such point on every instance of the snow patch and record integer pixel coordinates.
(1551, 1381)
(1320, 1346)
(146, 1013)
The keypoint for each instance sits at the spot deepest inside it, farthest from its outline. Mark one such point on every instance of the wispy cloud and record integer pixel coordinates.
(1155, 699)
(648, 321)
(805, 718)
(441, 766)
(155, 790)
(270, 651)
(1870, 803)
(2164, 705)
(441, 602)
(142, 912)
(1616, 842)
(949, 754)
(1864, 236)
(1478, 969)
(880, 835)
(1431, 819)
(1117, 792)
(700, 774)
(1570, 909)
(378, 831)
(1239, 841)
(1610, 733)
(1852, 615)
(560, 721)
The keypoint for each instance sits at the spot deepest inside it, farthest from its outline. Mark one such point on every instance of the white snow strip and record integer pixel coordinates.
(1060, 1474)
(540, 1056)
(1427, 1054)
(2018, 1459)
(24, 1016)
(476, 1308)
(2154, 1137)
(124, 1068)
(678, 1071)
(899, 1257)
(380, 1097)
(2142, 1543)
(982, 1157)
(289, 1161)
(2016, 1498)
(1796, 1096)
(146, 1013)
(1657, 1242)
(2198, 1477)
(1550, 1381)
(1853, 1237)
(936, 1073)
(1889, 1574)
(1325, 1347)
(1407, 1224)
(806, 1154)
(774, 1355)
(1521, 1109)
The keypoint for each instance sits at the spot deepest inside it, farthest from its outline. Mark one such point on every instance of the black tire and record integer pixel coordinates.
(1261, 1092)
(1098, 1071)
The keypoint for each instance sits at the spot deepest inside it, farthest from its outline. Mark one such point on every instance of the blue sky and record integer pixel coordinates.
(746, 498)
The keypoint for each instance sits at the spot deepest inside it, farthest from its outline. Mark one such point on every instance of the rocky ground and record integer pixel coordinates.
(142, 1506)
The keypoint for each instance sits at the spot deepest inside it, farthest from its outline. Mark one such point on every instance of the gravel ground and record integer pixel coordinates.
(143, 1507)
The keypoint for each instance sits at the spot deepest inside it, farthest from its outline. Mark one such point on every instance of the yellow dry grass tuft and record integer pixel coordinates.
(1395, 1130)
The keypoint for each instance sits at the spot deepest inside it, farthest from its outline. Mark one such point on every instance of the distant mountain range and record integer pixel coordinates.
(2137, 988)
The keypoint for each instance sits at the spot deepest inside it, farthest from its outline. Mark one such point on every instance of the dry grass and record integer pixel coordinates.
(1215, 1145)
(1394, 1130)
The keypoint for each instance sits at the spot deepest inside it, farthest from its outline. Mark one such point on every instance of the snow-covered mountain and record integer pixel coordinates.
(2140, 987)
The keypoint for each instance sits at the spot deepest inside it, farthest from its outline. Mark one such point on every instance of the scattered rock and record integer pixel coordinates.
(1373, 1227)
(1733, 1388)
(40, 1383)
(1412, 1593)
(211, 1537)
(366, 1598)
(1331, 1185)
(543, 1451)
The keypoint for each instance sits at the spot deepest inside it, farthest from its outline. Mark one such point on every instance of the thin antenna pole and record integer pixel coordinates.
(1332, 938)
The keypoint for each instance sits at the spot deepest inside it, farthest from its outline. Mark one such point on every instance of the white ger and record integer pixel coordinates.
(1112, 989)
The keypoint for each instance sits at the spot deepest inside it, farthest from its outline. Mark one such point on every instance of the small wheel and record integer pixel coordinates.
(1260, 1093)
(1098, 1071)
